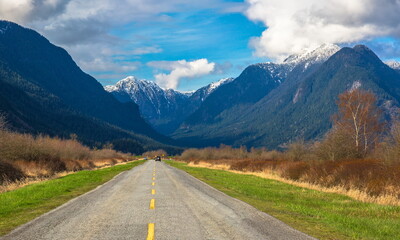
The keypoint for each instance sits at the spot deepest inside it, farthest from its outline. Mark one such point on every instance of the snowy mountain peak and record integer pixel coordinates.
(280, 71)
(318, 55)
(201, 94)
(393, 64)
(214, 85)
(132, 82)
(135, 87)
(165, 109)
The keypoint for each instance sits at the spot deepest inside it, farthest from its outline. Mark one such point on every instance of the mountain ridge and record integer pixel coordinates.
(265, 77)
(40, 72)
(299, 107)
(164, 109)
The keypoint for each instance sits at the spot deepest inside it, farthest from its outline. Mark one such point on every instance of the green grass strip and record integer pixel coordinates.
(319, 214)
(24, 204)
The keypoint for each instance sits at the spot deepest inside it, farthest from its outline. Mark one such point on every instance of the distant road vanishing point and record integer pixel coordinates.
(155, 201)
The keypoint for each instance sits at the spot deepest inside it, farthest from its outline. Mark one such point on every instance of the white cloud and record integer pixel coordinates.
(23, 11)
(146, 50)
(295, 25)
(101, 59)
(180, 69)
(70, 22)
(85, 27)
(15, 10)
(101, 64)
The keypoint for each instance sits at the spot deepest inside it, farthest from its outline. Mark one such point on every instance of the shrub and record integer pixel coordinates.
(8, 173)
(335, 146)
(293, 170)
(375, 177)
(23, 155)
(297, 151)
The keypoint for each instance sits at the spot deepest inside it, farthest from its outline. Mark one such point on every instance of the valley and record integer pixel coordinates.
(249, 119)
(269, 105)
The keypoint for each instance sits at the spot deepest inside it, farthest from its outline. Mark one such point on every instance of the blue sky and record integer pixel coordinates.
(185, 44)
(221, 38)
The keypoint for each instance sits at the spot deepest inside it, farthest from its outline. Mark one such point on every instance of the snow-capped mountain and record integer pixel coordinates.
(166, 109)
(254, 110)
(279, 71)
(201, 94)
(158, 106)
(229, 105)
(393, 64)
(212, 86)
(163, 108)
(307, 58)
(135, 88)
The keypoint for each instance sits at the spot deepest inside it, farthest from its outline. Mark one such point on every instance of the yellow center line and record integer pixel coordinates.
(152, 203)
(154, 178)
(153, 183)
(153, 191)
(150, 232)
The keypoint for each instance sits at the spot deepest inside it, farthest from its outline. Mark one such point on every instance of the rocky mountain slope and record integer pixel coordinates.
(164, 109)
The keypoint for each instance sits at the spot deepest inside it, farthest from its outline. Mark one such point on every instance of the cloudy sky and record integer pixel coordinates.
(185, 44)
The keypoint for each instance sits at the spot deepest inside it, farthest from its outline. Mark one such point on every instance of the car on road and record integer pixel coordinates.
(158, 158)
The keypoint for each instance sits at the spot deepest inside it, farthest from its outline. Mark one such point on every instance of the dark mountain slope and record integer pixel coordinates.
(305, 110)
(49, 67)
(44, 91)
(302, 106)
(37, 112)
(224, 125)
(254, 83)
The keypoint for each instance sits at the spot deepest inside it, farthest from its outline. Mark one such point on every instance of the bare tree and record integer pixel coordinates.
(359, 119)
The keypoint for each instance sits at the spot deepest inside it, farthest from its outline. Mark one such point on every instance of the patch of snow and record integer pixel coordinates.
(356, 85)
(3, 29)
(210, 88)
(216, 85)
(187, 93)
(204, 92)
(278, 71)
(111, 88)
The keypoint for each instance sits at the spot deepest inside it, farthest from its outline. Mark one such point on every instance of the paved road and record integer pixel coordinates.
(183, 208)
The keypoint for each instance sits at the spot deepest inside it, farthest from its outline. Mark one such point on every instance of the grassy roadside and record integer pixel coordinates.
(322, 215)
(24, 204)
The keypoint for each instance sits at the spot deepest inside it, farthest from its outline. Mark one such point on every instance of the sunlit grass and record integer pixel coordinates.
(319, 214)
(26, 203)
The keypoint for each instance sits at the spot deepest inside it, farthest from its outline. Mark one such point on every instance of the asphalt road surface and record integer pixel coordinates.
(156, 201)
